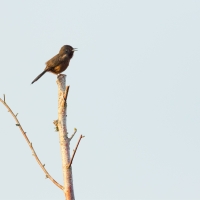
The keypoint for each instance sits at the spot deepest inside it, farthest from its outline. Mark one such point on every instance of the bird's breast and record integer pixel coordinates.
(60, 68)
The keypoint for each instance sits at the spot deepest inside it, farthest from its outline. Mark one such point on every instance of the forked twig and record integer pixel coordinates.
(75, 151)
(30, 144)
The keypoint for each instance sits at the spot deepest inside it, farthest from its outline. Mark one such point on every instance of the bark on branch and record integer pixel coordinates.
(63, 138)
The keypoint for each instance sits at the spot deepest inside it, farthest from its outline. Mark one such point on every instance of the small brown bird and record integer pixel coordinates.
(59, 62)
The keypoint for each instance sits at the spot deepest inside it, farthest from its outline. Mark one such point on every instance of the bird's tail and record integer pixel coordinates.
(39, 76)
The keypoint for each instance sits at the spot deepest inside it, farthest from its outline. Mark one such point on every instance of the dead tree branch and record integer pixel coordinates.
(30, 144)
(64, 140)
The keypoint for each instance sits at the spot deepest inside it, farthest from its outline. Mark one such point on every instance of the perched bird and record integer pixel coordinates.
(59, 62)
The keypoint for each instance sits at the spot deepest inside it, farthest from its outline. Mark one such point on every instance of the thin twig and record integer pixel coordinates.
(4, 97)
(75, 130)
(74, 152)
(66, 93)
(30, 145)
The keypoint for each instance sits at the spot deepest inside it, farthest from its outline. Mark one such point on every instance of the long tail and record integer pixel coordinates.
(39, 76)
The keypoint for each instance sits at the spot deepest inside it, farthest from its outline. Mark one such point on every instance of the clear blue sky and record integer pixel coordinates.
(134, 94)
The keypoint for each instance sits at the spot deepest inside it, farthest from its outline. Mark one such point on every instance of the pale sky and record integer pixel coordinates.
(134, 93)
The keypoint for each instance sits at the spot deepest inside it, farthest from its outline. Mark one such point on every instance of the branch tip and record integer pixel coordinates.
(4, 97)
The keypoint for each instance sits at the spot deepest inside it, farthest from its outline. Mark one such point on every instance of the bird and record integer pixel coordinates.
(59, 62)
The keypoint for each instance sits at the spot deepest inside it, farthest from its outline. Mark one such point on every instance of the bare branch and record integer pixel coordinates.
(75, 130)
(74, 152)
(63, 138)
(30, 145)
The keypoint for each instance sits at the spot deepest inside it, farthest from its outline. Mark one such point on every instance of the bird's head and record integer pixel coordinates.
(67, 49)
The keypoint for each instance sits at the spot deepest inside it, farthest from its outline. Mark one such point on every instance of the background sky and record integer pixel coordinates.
(134, 93)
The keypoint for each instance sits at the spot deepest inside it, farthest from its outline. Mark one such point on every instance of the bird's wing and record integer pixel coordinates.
(55, 61)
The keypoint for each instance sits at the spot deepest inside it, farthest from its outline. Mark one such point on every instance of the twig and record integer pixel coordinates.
(30, 145)
(75, 130)
(66, 93)
(4, 98)
(74, 152)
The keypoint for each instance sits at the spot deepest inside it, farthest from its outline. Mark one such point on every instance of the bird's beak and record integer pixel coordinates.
(74, 49)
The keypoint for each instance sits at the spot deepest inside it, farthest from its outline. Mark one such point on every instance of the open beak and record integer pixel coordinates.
(75, 49)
